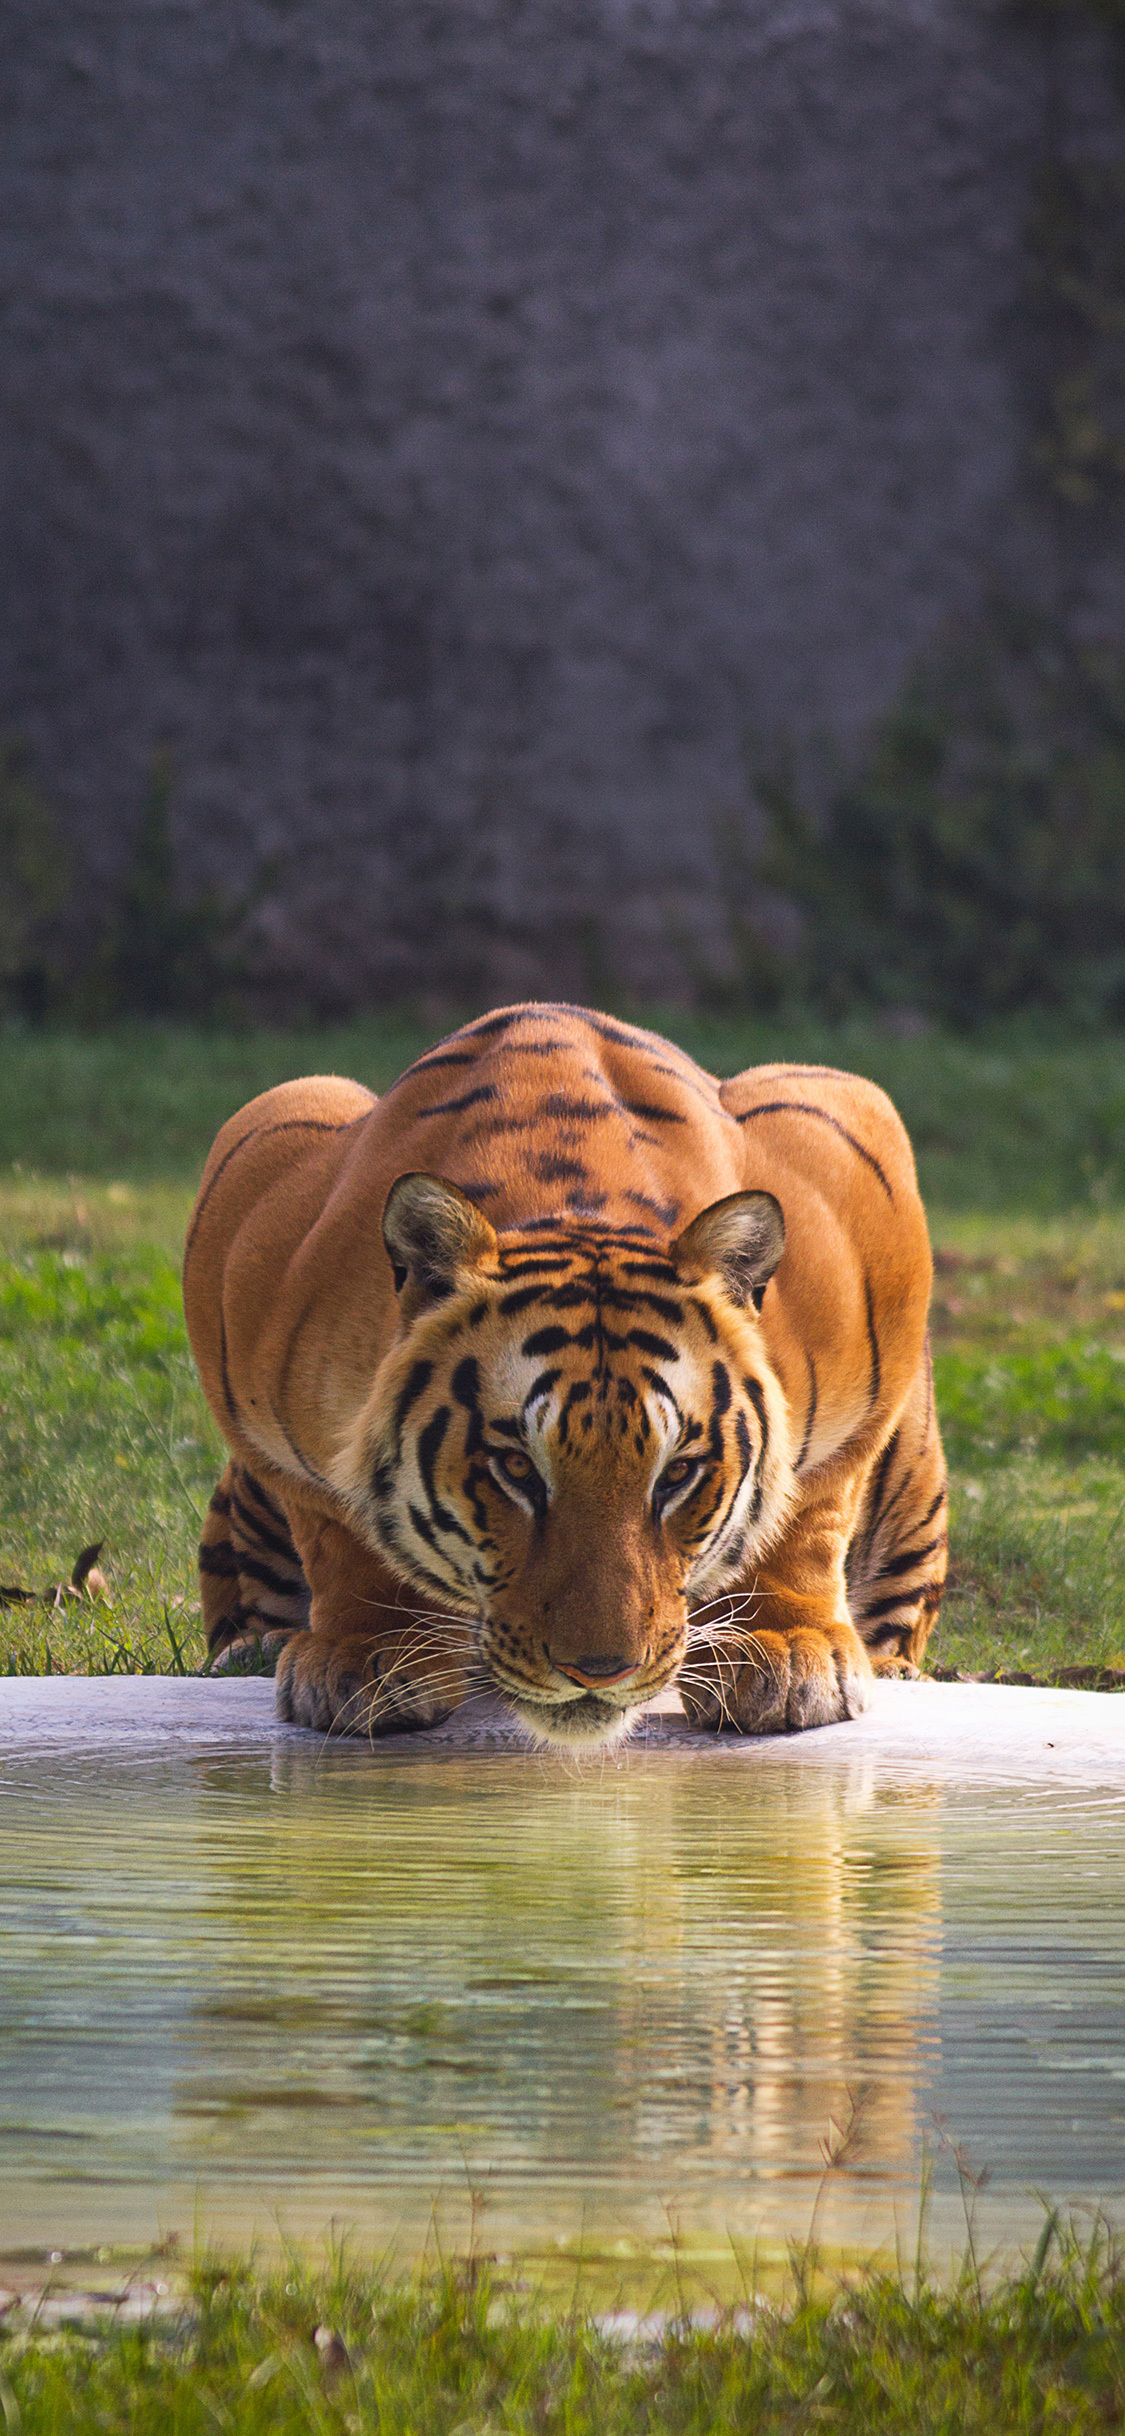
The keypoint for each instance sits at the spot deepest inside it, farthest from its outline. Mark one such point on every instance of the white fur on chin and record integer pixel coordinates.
(566, 1732)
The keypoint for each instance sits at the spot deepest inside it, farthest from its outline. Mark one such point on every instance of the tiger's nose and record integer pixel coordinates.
(592, 1668)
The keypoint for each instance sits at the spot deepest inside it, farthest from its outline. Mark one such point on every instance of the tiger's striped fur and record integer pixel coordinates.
(252, 1581)
(567, 1369)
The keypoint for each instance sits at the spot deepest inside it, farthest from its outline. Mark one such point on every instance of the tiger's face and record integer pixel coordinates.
(576, 1441)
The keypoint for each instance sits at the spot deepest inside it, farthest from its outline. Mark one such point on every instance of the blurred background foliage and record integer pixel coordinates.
(974, 863)
(969, 867)
(159, 954)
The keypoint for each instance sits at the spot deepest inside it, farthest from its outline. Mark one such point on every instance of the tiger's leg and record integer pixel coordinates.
(784, 1654)
(897, 1559)
(252, 1584)
(375, 1661)
(850, 1591)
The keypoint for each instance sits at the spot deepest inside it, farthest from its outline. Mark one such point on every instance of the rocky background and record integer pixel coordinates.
(450, 432)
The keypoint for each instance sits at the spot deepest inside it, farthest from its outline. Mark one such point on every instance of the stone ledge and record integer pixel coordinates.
(968, 1732)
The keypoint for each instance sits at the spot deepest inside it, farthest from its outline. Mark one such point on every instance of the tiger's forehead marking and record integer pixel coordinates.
(602, 1343)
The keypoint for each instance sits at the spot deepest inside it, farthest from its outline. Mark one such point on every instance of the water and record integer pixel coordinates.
(246, 1989)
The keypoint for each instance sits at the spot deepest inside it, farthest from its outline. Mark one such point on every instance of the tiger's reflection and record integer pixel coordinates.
(663, 1977)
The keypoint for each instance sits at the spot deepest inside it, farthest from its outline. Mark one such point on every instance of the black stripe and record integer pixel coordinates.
(532, 1264)
(265, 1537)
(620, 1299)
(650, 1114)
(516, 1048)
(878, 1522)
(587, 1241)
(430, 1443)
(522, 1297)
(811, 1416)
(885, 1635)
(485, 1025)
(249, 1481)
(877, 1485)
(806, 1108)
(666, 1211)
(468, 1099)
(422, 1527)
(722, 1400)
(888, 1607)
(415, 1385)
(466, 1388)
(541, 1386)
(661, 1387)
(218, 1557)
(578, 1393)
(757, 1399)
(559, 1104)
(553, 1167)
(219, 1503)
(261, 1572)
(873, 1342)
(899, 1565)
(546, 1340)
(742, 1435)
(226, 1563)
(536, 1048)
(232, 1411)
(438, 1057)
(659, 1346)
(704, 1317)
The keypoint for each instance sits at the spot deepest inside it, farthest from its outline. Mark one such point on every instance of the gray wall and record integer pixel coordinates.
(450, 424)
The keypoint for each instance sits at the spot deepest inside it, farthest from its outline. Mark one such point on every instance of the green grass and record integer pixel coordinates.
(104, 1434)
(1039, 2352)
(141, 1102)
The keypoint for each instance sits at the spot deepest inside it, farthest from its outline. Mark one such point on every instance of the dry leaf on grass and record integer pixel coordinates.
(86, 1580)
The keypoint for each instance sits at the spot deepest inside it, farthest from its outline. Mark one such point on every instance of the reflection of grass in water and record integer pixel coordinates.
(465, 2352)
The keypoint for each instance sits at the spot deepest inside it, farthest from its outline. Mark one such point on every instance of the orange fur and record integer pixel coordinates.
(485, 1467)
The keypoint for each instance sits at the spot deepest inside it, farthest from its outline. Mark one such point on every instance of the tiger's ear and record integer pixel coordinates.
(431, 1231)
(740, 1240)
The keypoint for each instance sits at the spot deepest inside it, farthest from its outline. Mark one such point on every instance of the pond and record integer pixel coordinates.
(252, 1984)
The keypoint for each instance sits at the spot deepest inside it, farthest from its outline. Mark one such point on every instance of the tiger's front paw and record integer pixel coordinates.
(352, 1686)
(779, 1682)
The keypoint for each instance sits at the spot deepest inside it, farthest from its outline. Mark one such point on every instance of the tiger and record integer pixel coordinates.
(567, 1372)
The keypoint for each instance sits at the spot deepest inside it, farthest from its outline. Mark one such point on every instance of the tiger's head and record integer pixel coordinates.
(576, 1440)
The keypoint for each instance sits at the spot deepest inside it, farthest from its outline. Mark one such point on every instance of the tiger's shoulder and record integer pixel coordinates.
(824, 1119)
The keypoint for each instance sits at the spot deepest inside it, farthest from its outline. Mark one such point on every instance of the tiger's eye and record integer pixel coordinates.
(516, 1466)
(676, 1473)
